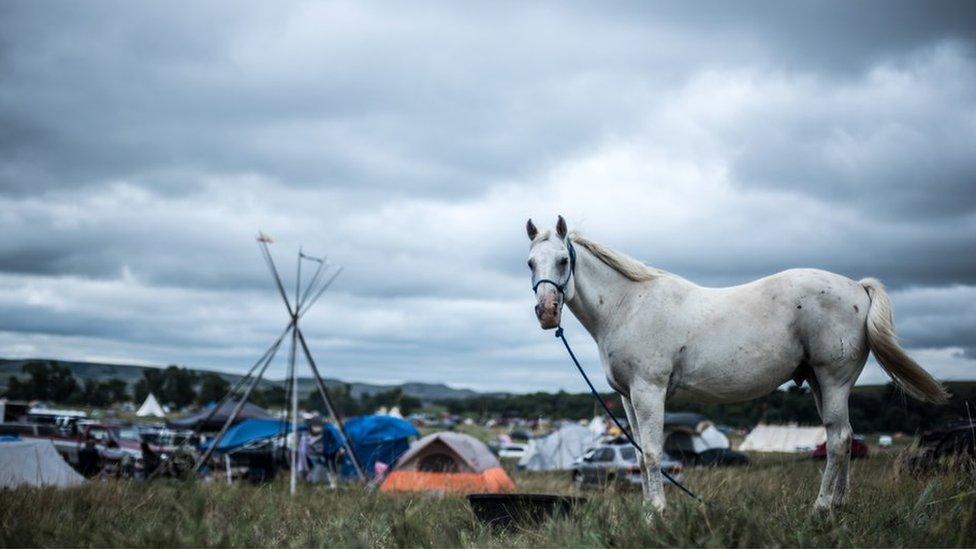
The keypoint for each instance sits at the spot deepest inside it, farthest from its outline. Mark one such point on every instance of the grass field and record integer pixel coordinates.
(766, 504)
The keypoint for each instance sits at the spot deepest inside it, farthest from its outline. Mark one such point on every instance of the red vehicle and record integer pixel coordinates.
(858, 449)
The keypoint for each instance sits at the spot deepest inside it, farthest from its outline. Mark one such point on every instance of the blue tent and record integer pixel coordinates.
(252, 430)
(374, 438)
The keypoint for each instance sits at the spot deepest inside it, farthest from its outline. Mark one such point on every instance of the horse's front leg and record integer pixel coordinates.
(648, 403)
(632, 422)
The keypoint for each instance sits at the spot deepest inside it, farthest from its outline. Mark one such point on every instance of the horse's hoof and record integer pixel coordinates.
(825, 507)
(652, 510)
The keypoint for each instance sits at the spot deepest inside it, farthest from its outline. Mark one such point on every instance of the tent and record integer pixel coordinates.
(690, 432)
(693, 439)
(151, 407)
(374, 439)
(34, 462)
(448, 462)
(393, 411)
(253, 430)
(597, 426)
(199, 419)
(558, 450)
(783, 438)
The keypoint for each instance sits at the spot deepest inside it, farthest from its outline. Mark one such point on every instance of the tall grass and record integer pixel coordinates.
(766, 504)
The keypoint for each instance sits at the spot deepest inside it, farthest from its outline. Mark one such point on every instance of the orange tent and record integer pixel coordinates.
(448, 462)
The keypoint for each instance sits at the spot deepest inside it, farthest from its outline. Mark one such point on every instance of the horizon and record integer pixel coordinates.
(144, 149)
(398, 383)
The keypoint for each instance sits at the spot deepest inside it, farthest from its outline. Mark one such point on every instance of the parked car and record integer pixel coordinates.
(617, 464)
(512, 450)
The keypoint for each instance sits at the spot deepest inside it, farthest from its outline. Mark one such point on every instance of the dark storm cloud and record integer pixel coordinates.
(143, 145)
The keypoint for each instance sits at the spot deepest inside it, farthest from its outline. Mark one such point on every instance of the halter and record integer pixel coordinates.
(572, 270)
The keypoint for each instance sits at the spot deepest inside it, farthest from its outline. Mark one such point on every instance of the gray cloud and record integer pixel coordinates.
(142, 147)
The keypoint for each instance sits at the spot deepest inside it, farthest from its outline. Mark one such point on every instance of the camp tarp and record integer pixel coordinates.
(34, 462)
(253, 430)
(783, 438)
(558, 450)
(374, 438)
(448, 462)
(199, 420)
(151, 408)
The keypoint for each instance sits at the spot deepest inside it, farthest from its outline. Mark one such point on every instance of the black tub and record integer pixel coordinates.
(523, 509)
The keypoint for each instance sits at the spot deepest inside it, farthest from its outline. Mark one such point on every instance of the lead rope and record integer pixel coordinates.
(596, 395)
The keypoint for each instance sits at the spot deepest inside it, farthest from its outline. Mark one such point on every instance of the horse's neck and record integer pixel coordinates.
(600, 292)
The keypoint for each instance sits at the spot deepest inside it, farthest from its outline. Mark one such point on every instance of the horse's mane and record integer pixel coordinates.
(620, 262)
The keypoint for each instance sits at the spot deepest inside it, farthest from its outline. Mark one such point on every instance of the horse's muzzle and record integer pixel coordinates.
(548, 311)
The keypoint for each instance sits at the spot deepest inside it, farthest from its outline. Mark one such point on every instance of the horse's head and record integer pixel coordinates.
(552, 260)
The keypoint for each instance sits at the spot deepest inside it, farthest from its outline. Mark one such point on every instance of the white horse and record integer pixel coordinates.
(663, 338)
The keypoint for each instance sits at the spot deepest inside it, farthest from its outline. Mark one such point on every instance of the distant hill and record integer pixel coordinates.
(131, 374)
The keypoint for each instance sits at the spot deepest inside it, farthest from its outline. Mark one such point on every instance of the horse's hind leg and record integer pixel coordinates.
(832, 392)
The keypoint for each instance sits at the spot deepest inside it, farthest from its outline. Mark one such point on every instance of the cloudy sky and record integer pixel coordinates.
(142, 146)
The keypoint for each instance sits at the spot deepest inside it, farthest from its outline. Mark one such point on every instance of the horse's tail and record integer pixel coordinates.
(905, 372)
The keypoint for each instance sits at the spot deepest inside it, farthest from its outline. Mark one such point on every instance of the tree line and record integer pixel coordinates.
(872, 409)
(180, 387)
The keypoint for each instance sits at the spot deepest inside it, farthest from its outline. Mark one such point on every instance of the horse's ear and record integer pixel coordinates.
(561, 228)
(531, 230)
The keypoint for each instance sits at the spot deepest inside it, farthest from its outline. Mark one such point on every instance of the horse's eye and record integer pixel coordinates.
(563, 261)
(532, 264)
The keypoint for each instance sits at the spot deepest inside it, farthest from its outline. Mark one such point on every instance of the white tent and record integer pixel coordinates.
(558, 450)
(597, 426)
(151, 407)
(783, 438)
(34, 462)
(393, 411)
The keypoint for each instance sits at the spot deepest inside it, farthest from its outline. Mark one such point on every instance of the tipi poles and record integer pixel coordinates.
(294, 380)
(274, 273)
(240, 382)
(293, 386)
(324, 392)
(240, 405)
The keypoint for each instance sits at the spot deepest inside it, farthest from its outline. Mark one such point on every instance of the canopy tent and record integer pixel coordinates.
(558, 450)
(34, 462)
(373, 438)
(253, 430)
(200, 421)
(783, 438)
(151, 408)
(448, 462)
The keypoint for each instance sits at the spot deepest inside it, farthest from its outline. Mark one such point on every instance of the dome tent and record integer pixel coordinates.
(373, 438)
(694, 440)
(448, 462)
